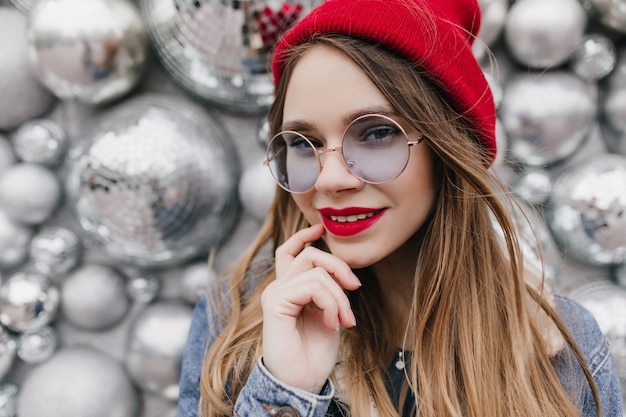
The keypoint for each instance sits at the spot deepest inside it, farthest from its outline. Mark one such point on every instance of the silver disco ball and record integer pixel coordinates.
(611, 13)
(154, 182)
(547, 116)
(613, 106)
(587, 210)
(220, 50)
(94, 51)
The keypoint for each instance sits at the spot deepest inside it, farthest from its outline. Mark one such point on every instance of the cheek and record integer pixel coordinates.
(305, 204)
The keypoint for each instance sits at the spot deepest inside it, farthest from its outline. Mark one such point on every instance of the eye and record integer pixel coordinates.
(379, 135)
(299, 145)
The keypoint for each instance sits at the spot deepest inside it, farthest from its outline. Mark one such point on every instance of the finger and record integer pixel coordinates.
(338, 270)
(292, 247)
(312, 289)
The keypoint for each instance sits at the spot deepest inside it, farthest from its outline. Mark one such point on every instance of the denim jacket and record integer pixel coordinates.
(262, 391)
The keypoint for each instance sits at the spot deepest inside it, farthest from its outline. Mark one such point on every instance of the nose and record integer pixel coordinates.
(334, 175)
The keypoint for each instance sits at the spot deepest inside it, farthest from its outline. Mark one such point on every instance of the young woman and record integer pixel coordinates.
(391, 291)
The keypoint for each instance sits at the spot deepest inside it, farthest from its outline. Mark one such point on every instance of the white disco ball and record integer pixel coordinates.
(221, 51)
(587, 210)
(154, 181)
(93, 51)
(613, 106)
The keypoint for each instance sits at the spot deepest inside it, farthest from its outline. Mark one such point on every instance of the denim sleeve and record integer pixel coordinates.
(263, 390)
(596, 349)
(193, 357)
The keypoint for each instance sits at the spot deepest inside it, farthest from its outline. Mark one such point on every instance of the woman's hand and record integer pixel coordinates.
(303, 310)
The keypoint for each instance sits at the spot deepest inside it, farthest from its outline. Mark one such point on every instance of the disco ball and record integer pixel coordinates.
(595, 57)
(78, 382)
(93, 51)
(28, 301)
(155, 347)
(40, 141)
(154, 182)
(54, 251)
(547, 116)
(15, 237)
(611, 13)
(544, 33)
(256, 190)
(613, 106)
(220, 50)
(587, 210)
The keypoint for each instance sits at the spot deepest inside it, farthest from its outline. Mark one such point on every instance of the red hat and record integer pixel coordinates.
(437, 35)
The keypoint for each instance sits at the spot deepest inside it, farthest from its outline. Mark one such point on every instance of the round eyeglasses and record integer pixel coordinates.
(375, 148)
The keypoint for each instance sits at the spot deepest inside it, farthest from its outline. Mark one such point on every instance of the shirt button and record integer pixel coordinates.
(285, 411)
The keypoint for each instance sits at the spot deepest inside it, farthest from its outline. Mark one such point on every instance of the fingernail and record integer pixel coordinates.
(352, 317)
(356, 279)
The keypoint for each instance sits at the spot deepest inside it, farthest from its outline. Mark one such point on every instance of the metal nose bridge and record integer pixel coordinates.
(339, 148)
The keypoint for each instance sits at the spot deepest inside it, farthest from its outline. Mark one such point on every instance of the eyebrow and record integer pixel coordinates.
(304, 126)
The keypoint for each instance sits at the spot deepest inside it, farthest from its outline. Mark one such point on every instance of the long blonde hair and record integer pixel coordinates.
(476, 349)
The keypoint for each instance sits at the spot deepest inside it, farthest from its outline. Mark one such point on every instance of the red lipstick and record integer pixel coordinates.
(349, 221)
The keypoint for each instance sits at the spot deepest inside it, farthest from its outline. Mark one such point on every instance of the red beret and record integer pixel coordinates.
(436, 35)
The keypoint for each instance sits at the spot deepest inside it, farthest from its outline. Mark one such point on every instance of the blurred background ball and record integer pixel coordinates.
(613, 106)
(493, 17)
(534, 186)
(257, 188)
(619, 274)
(23, 6)
(540, 252)
(29, 192)
(94, 297)
(40, 141)
(7, 157)
(594, 58)
(37, 346)
(610, 13)
(547, 116)
(28, 301)
(92, 51)
(196, 279)
(8, 399)
(154, 182)
(143, 288)
(8, 348)
(220, 51)
(78, 382)
(156, 343)
(587, 210)
(55, 250)
(14, 240)
(606, 301)
(544, 33)
(22, 97)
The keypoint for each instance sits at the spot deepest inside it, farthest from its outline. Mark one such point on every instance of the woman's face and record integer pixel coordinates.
(364, 222)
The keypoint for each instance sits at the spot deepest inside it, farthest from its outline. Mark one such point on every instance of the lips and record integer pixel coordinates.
(349, 221)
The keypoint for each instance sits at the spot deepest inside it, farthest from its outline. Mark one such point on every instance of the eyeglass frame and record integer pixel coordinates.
(320, 151)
